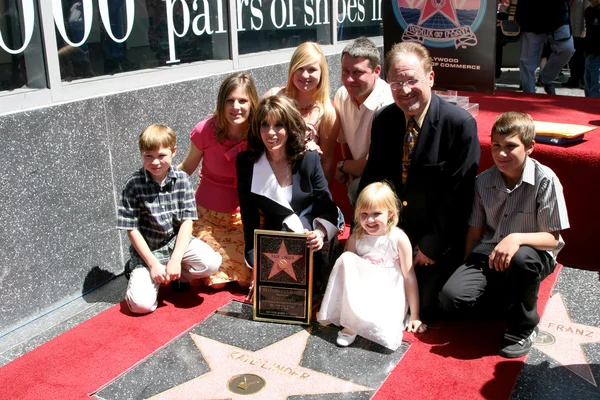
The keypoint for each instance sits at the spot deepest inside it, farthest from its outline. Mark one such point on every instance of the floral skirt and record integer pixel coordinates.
(224, 232)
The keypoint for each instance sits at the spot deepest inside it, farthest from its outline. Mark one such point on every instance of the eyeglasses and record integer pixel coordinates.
(411, 83)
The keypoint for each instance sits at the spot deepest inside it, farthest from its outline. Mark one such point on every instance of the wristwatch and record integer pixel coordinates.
(340, 165)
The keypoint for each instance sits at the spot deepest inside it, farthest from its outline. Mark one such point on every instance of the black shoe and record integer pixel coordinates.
(548, 87)
(180, 287)
(514, 346)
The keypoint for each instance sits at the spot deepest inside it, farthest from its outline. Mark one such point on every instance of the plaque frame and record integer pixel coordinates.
(291, 281)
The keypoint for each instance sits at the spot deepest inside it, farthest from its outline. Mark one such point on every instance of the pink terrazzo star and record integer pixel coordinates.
(282, 261)
(278, 364)
(445, 7)
(569, 336)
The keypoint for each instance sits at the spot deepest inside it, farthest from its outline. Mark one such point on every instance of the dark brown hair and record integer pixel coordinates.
(284, 110)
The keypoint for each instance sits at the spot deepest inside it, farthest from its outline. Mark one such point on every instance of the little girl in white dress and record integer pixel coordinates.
(373, 285)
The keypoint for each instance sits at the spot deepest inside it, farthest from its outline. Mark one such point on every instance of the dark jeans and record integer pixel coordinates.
(475, 287)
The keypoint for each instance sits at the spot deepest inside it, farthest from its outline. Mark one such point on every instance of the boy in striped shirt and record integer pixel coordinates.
(513, 237)
(157, 209)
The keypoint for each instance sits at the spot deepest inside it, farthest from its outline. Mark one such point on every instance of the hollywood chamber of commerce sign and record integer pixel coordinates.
(206, 19)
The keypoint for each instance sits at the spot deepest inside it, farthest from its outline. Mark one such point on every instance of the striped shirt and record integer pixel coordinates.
(536, 204)
(156, 211)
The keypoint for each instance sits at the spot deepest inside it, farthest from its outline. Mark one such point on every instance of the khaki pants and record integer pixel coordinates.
(199, 261)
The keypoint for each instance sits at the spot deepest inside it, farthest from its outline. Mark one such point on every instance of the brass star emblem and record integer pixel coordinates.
(282, 261)
(277, 364)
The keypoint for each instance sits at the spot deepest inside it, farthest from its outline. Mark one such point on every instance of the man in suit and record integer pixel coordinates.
(428, 150)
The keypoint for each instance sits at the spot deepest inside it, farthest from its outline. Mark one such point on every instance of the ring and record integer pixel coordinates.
(427, 265)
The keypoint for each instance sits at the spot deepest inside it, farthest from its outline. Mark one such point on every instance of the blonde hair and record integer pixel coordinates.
(232, 82)
(308, 53)
(515, 123)
(157, 136)
(377, 195)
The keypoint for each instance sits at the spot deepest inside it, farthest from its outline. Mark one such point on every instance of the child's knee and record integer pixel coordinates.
(142, 292)
(448, 299)
(141, 302)
(202, 255)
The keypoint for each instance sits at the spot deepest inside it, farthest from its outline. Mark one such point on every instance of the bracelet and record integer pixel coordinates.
(340, 165)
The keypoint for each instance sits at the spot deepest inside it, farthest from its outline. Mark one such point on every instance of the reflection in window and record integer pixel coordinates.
(104, 37)
(277, 24)
(21, 55)
(359, 18)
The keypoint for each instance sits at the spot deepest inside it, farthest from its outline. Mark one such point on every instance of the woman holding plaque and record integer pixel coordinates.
(308, 84)
(279, 179)
(216, 142)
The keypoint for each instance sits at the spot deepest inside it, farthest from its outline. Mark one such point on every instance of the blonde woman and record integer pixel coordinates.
(308, 85)
(216, 142)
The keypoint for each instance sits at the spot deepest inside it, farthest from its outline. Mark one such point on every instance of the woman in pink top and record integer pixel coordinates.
(216, 141)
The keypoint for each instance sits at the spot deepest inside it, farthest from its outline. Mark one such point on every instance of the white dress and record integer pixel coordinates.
(365, 292)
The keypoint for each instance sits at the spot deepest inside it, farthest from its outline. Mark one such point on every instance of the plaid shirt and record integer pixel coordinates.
(156, 211)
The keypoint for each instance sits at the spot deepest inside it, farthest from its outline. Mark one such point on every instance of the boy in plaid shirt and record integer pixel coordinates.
(157, 209)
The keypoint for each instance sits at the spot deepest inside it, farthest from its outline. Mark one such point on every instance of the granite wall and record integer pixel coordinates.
(64, 167)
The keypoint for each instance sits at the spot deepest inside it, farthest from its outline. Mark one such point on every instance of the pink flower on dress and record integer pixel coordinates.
(375, 259)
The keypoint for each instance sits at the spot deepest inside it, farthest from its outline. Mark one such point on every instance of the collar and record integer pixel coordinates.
(374, 100)
(419, 118)
(170, 175)
(265, 183)
(528, 176)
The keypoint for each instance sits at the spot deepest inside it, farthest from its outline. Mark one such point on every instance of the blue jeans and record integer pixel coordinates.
(532, 45)
(591, 76)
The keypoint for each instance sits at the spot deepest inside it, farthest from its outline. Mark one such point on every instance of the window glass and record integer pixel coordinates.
(277, 24)
(358, 18)
(21, 55)
(104, 37)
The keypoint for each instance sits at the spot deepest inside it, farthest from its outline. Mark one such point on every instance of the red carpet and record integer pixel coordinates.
(455, 361)
(81, 360)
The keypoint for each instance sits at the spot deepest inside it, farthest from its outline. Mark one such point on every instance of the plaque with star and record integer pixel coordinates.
(282, 277)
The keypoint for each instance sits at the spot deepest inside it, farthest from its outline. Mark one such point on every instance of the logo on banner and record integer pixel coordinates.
(440, 23)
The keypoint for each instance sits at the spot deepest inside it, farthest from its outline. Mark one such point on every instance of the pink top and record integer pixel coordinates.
(217, 190)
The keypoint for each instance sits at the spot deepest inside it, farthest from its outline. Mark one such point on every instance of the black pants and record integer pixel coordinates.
(431, 279)
(475, 287)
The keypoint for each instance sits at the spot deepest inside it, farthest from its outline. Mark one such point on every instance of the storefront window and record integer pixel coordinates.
(21, 54)
(277, 24)
(358, 18)
(105, 37)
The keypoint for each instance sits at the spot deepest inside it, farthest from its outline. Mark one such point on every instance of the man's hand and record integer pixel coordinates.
(158, 273)
(341, 177)
(503, 253)
(173, 270)
(422, 259)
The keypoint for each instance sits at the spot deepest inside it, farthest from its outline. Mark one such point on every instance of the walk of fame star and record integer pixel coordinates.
(278, 364)
(445, 7)
(282, 261)
(568, 338)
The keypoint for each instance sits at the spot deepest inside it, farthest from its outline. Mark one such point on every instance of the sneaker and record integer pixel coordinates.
(514, 346)
(345, 339)
(180, 287)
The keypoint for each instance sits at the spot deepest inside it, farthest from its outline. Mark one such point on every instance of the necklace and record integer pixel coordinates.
(307, 108)
(282, 171)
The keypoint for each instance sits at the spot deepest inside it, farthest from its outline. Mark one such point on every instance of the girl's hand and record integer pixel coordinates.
(315, 239)
(416, 326)
(312, 146)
